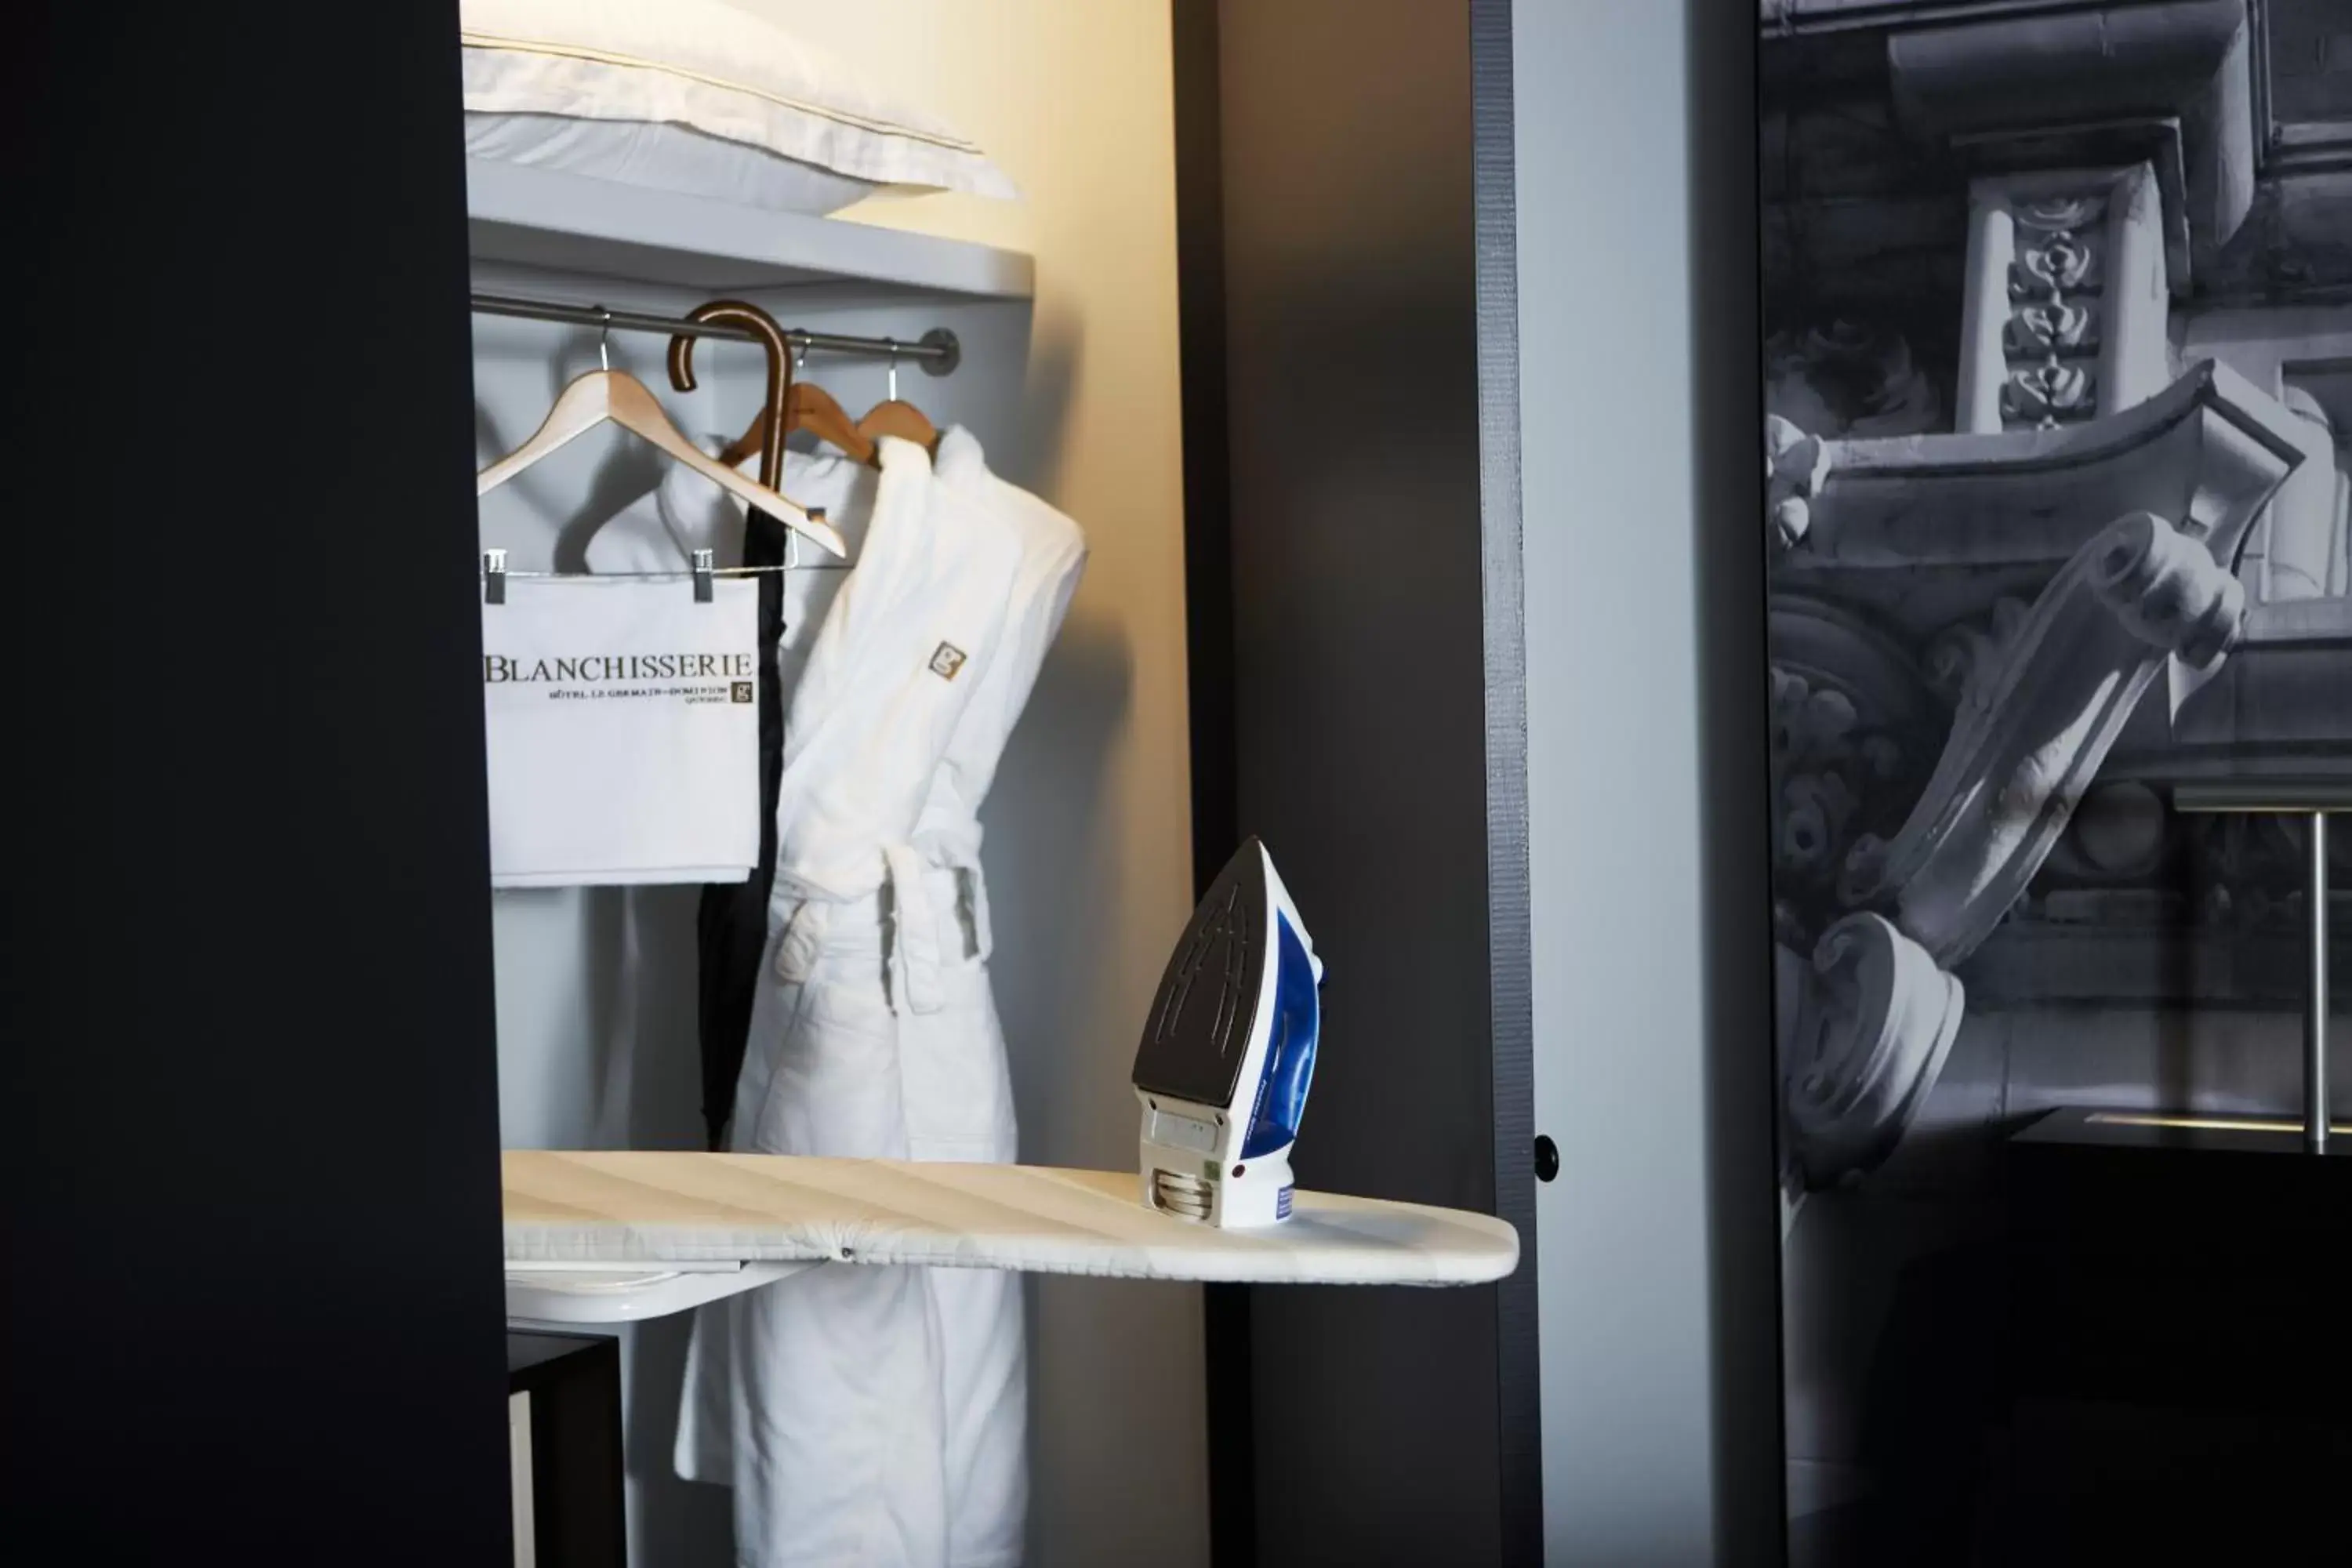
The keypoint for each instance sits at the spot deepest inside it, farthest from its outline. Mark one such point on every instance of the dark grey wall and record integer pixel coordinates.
(1388, 1425)
(249, 1111)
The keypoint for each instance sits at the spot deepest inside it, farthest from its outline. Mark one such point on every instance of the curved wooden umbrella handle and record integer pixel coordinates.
(735, 312)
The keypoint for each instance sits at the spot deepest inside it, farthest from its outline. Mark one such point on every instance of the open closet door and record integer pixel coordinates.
(1346, 535)
(250, 1109)
(1475, 597)
(1645, 741)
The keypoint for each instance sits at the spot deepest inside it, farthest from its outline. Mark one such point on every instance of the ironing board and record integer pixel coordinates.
(614, 1236)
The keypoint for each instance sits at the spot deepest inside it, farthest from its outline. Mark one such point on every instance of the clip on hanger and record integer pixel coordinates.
(704, 561)
(494, 576)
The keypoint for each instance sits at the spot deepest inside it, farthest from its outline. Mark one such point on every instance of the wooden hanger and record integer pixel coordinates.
(893, 418)
(615, 395)
(805, 405)
(810, 408)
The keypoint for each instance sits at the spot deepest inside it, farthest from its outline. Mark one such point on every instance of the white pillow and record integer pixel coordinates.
(664, 157)
(720, 75)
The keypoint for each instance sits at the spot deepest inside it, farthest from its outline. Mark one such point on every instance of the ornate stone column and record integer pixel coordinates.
(1967, 617)
(2080, 226)
(2064, 313)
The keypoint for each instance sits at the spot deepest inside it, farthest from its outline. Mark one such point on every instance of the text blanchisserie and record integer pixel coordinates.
(498, 668)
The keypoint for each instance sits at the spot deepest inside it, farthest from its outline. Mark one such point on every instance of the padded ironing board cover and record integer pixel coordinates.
(644, 1206)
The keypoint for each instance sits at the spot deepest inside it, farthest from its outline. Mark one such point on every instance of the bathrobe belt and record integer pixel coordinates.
(922, 919)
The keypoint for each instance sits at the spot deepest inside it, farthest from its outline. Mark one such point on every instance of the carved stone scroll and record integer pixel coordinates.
(2037, 716)
(2025, 745)
(2037, 582)
(1873, 1029)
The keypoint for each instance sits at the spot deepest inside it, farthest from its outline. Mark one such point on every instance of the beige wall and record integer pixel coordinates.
(1074, 99)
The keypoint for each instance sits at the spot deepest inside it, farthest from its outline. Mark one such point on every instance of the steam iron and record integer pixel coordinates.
(1227, 1053)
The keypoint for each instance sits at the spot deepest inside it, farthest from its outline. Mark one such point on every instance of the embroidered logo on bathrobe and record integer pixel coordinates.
(947, 659)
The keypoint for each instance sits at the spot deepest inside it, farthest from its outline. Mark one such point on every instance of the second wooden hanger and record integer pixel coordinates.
(804, 405)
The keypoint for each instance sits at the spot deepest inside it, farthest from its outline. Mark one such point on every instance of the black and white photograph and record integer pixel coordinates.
(2058, 302)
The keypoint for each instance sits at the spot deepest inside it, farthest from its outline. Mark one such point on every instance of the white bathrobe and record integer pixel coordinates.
(878, 1416)
(959, 1094)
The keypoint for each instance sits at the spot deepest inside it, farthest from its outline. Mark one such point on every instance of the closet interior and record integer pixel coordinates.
(729, 407)
(597, 988)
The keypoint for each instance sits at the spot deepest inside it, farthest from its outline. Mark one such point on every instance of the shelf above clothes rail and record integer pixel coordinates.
(543, 219)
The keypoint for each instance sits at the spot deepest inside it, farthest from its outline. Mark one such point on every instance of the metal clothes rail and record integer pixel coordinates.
(937, 351)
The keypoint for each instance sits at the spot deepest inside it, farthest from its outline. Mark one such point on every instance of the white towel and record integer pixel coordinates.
(623, 733)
